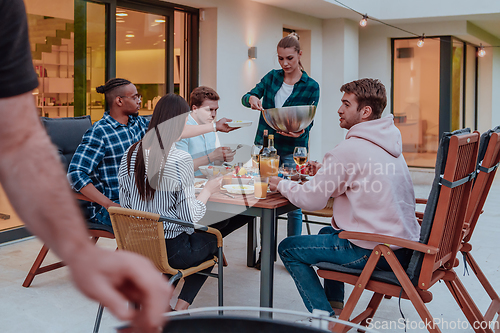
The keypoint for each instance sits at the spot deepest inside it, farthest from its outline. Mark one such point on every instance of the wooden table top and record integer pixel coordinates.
(272, 200)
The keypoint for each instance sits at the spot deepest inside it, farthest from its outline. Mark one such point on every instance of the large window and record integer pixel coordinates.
(51, 30)
(77, 45)
(433, 92)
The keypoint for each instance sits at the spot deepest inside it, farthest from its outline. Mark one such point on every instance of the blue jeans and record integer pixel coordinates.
(300, 252)
(294, 224)
(102, 216)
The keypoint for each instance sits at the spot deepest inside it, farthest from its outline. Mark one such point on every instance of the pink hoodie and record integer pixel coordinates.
(370, 181)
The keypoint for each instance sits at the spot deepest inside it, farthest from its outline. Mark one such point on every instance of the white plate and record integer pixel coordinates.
(237, 189)
(199, 183)
(239, 123)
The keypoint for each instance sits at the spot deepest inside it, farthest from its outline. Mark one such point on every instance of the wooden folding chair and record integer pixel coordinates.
(142, 233)
(434, 255)
(66, 134)
(488, 161)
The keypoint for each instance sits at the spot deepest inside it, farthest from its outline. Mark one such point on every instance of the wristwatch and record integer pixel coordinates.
(215, 126)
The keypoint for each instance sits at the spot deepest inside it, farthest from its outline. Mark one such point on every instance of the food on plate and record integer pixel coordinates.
(242, 172)
(199, 184)
(239, 189)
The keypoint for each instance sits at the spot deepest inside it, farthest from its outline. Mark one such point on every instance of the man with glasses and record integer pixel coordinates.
(93, 171)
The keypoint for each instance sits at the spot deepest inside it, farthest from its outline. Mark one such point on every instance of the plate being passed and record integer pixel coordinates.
(239, 123)
(239, 189)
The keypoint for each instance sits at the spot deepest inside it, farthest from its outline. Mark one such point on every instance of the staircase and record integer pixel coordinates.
(47, 31)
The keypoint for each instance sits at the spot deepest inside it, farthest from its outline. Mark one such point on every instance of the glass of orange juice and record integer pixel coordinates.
(260, 187)
(269, 166)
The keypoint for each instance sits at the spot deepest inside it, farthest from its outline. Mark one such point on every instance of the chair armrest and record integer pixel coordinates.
(382, 239)
(421, 201)
(197, 227)
(182, 223)
(217, 233)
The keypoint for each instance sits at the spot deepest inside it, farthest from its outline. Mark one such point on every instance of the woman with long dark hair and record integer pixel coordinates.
(156, 177)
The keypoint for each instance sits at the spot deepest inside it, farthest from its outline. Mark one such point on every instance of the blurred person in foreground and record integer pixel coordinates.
(34, 181)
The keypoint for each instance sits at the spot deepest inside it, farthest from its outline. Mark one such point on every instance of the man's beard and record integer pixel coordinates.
(135, 114)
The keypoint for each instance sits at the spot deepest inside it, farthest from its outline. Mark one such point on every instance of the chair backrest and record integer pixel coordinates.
(66, 134)
(444, 214)
(142, 233)
(487, 164)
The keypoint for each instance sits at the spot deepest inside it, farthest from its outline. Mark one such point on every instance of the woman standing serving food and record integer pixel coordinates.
(288, 86)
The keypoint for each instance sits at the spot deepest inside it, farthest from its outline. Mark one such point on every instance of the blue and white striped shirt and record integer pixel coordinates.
(174, 196)
(98, 156)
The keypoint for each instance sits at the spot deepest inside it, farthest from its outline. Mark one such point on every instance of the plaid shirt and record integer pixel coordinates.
(305, 92)
(97, 158)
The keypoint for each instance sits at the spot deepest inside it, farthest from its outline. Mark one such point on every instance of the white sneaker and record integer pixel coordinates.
(307, 321)
(315, 322)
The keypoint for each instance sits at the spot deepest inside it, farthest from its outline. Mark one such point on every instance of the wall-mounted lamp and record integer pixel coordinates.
(252, 52)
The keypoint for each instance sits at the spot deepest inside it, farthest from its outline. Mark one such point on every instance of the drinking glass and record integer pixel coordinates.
(300, 156)
(260, 187)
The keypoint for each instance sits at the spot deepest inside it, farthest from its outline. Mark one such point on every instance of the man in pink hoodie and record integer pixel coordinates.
(370, 181)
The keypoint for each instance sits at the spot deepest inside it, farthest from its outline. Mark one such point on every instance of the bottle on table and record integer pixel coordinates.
(268, 157)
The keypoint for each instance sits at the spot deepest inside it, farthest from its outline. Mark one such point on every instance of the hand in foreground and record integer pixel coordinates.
(113, 278)
(222, 126)
(291, 134)
(312, 167)
(213, 185)
(273, 183)
(255, 103)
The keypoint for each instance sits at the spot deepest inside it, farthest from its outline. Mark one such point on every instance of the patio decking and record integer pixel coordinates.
(52, 304)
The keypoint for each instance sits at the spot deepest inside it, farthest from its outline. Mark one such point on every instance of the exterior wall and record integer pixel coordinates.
(340, 65)
(228, 28)
(339, 51)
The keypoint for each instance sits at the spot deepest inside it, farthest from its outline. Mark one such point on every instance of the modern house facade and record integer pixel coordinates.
(175, 46)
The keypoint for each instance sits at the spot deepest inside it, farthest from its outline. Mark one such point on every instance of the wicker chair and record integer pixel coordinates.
(142, 233)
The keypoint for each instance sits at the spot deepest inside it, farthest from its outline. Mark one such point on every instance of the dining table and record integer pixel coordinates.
(268, 210)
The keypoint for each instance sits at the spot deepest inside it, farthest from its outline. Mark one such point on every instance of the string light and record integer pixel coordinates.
(364, 21)
(420, 42)
(481, 51)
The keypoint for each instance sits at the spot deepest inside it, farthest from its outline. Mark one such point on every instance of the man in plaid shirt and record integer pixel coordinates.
(93, 171)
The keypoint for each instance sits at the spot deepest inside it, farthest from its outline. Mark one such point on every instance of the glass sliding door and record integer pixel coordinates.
(140, 53)
(434, 90)
(416, 99)
(95, 59)
(457, 85)
(51, 31)
(470, 103)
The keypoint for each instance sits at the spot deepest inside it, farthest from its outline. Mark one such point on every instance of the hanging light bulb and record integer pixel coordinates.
(364, 21)
(481, 51)
(420, 42)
